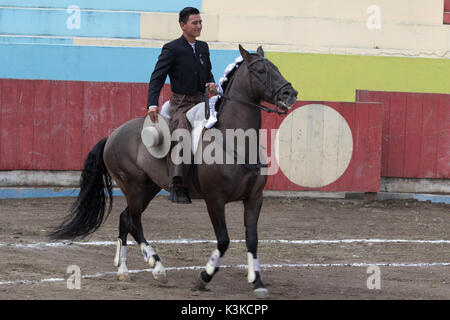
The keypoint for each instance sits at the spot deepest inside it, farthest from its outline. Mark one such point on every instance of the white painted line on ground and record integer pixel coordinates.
(196, 241)
(242, 266)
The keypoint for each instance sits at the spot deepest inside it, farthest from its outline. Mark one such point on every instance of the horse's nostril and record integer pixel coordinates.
(286, 93)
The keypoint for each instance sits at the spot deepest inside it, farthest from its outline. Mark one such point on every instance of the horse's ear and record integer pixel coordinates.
(260, 51)
(244, 53)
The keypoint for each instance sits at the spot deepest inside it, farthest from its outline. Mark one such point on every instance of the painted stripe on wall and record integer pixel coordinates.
(336, 77)
(86, 63)
(54, 23)
(21, 193)
(35, 40)
(132, 5)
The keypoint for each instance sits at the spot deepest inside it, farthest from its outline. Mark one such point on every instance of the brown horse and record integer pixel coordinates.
(140, 176)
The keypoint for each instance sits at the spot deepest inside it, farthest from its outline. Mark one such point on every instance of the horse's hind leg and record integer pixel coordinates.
(138, 197)
(120, 260)
(252, 208)
(216, 210)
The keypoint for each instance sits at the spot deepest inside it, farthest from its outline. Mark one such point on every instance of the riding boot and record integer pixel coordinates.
(178, 191)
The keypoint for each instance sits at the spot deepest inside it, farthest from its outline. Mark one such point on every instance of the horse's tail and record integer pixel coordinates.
(87, 212)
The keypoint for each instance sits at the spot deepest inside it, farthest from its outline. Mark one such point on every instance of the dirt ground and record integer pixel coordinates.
(27, 272)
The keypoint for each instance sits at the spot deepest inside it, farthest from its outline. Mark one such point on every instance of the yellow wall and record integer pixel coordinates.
(337, 77)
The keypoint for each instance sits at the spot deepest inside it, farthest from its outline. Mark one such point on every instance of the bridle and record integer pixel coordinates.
(257, 75)
(267, 64)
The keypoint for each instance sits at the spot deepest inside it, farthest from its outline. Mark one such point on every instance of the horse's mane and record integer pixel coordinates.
(225, 85)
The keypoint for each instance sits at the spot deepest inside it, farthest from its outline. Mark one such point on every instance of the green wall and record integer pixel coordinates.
(332, 77)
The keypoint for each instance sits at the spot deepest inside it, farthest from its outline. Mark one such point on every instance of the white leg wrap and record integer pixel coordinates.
(213, 263)
(148, 252)
(123, 270)
(159, 272)
(253, 265)
(121, 260)
(121, 253)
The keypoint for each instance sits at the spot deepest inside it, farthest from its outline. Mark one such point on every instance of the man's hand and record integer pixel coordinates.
(153, 113)
(212, 87)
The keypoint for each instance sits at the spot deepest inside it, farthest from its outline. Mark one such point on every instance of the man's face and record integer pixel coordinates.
(193, 26)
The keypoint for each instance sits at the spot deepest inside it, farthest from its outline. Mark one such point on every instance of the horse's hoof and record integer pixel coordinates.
(160, 277)
(200, 284)
(261, 293)
(123, 277)
(159, 273)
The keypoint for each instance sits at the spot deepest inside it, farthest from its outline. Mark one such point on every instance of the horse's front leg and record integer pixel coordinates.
(154, 261)
(150, 256)
(252, 207)
(216, 211)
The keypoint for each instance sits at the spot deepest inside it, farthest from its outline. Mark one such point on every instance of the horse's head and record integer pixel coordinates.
(266, 81)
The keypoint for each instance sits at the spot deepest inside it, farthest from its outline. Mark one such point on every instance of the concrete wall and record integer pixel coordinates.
(411, 26)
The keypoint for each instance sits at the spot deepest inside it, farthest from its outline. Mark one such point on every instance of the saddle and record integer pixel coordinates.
(197, 120)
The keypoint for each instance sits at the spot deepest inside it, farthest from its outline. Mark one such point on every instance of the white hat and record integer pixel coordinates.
(156, 136)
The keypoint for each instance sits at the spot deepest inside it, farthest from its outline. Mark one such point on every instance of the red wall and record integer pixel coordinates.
(446, 11)
(416, 133)
(52, 125)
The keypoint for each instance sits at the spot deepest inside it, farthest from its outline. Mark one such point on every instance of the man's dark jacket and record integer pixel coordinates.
(188, 72)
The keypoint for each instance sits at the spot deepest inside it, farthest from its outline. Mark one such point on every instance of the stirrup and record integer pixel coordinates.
(179, 195)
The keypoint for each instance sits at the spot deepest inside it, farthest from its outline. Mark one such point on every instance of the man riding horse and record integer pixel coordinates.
(124, 158)
(187, 63)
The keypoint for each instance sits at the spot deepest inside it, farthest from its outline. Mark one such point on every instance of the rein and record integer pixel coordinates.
(263, 108)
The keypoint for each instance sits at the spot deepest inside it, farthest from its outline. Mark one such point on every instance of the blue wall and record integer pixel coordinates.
(89, 63)
(132, 5)
(54, 23)
(36, 43)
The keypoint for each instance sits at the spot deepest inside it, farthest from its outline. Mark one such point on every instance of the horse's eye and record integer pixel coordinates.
(261, 71)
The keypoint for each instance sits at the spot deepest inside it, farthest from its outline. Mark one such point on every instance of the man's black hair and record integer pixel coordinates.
(186, 12)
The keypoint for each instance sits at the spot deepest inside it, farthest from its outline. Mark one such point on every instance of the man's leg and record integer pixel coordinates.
(178, 172)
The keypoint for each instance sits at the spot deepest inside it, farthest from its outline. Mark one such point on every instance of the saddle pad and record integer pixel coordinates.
(196, 117)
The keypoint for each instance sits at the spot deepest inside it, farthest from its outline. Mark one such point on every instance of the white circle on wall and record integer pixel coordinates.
(313, 146)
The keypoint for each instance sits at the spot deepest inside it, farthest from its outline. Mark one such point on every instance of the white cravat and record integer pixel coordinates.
(193, 46)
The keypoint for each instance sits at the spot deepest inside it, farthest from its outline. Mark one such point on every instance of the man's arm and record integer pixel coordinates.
(210, 83)
(210, 78)
(159, 75)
